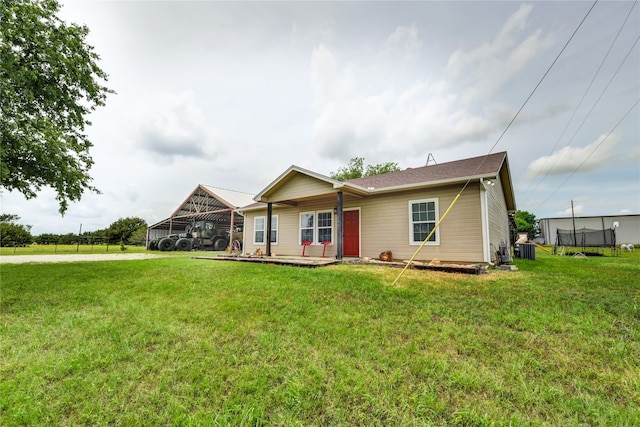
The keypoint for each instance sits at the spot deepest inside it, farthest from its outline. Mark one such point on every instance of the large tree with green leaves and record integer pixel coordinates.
(12, 233)
(124, 228)
(527, 222)
(356, 169)
(50, 82)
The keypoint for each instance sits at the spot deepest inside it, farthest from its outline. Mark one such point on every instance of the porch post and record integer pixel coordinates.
(268, 236)
(340, 237)
(231, 232)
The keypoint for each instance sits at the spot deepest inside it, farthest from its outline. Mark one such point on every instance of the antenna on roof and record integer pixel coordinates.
(430, 158)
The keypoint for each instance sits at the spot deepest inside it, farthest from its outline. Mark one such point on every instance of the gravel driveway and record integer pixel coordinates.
(20, 259)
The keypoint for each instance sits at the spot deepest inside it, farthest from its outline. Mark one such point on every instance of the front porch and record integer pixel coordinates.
(314, 262)
(294, 261)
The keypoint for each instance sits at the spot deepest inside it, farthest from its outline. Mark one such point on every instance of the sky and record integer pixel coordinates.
(230, 94)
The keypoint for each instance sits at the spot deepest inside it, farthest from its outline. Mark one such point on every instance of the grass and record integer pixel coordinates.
(177, 341)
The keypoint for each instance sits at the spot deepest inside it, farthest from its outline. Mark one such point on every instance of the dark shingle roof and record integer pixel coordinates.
(450, 171)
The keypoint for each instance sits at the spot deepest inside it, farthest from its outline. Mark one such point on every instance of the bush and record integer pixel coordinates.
(14, 234)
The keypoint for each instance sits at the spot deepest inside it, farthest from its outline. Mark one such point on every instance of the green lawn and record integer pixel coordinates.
(178, 341)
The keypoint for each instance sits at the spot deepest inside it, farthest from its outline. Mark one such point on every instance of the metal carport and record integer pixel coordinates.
(207, 203)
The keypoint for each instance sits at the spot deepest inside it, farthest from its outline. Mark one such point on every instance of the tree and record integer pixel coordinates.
(124, 228)
(10, 218)
(12, 233)
(139, 236)
(355, 169)
(49, 83)
(67, 239)
(527, 222)
(47, 239)
(381, 168)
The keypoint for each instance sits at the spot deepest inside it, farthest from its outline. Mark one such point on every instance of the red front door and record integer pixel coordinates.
(351, 226)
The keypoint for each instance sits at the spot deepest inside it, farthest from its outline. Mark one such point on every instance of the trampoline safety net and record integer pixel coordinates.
(586, 237)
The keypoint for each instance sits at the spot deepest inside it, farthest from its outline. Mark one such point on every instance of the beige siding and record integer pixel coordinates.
(301, 186)
(289, 229)
(385, 226)
(498, 218)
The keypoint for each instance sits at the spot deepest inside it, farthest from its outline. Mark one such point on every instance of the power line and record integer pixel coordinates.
(530, 96)
(593, 107)
(599, 97)
(593, 151)
(494, 145)
(546, 172)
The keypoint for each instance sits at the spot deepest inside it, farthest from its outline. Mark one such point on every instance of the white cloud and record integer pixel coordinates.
(569, 159)
(491, 64)
(406, 41)
(347, 128)
(172, 125)
(487, 52)
(634, 154)
(314, 84)
(578, 208)
(421, 113)
(323, 71)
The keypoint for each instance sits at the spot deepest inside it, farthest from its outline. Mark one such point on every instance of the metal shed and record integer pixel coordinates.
(627, 226)
(207, 203)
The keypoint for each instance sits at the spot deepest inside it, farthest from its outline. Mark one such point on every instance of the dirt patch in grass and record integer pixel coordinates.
(21, 259)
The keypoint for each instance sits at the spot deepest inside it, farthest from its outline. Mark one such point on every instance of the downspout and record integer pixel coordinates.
(484, 217)
(340, 232)
(231, 227)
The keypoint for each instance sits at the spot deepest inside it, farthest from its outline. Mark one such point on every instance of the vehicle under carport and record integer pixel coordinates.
(205, 220)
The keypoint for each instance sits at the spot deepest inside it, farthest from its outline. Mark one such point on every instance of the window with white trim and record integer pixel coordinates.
(423, 217)
(259, 226)
(260, 229)
(325, 227)
(316, 227)
(307, 226)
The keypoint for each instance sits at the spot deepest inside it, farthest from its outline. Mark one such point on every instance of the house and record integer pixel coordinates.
(317, 215)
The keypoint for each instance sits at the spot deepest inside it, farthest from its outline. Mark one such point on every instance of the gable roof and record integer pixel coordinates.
(288, 174)
(293, 171)
(207, 199)
(459, 170)
(205, 202)
(489, 166)
(231, 198)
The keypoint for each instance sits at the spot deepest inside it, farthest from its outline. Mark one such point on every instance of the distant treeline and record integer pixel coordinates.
(130, 231)
(84, 239)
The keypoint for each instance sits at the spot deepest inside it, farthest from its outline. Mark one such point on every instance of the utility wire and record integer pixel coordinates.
(592, 108)
(592, 151)
(530, 96)
(599, 97)
(546, 172)
(466, 184)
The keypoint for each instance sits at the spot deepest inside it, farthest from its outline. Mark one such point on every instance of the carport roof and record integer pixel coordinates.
(206, 203)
